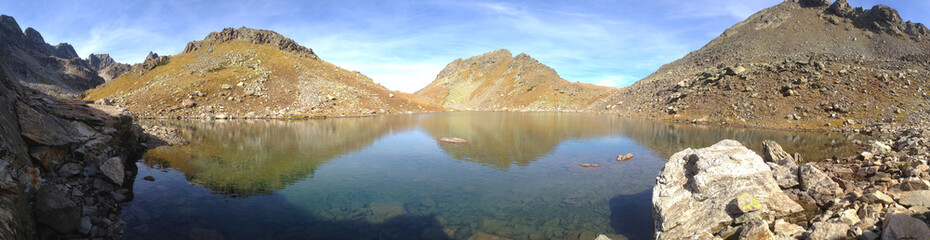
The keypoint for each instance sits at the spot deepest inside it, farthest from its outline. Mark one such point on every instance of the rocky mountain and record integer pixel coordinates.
(249, 73)
(807, 64)
(499, 81)
(63, 163)
(106, 67)
(55, 70)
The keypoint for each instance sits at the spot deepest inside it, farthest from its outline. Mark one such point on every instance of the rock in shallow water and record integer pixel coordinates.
(697, 191)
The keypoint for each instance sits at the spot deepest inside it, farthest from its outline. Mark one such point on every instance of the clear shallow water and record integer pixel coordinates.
(389, 178)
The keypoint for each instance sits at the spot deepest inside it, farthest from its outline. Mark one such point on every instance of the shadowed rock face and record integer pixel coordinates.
(55, 70)
(45, 142)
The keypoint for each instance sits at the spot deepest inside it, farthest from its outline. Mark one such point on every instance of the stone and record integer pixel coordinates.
(914, 184)
(785, 228)
(56, 210)
(756, 229)
(697, 190)
(828, 231)
(876, 147)
(485, 236)
(735, 70)
(627, 157)
(113, 169)
(85, 226)
(849, 217)
(902, 226)
(226, 87)
(452, 140)
(772, 152)
(205, 234)
(602, 237)
(188, 103)
(589, 165)
(69, 169)
(148, 178)
(818, 185)
(785, 176)
(915, 198)
(382, 212)
(877, 197)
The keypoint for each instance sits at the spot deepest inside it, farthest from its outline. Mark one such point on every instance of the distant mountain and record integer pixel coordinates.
(106, 67)
(800, 64)
(55, 70)
(499, 81)
(249, 73)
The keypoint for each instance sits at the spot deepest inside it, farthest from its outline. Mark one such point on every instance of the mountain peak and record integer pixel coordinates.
(256, 36)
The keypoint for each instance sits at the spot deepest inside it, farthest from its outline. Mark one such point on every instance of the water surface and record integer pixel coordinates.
(389, 178)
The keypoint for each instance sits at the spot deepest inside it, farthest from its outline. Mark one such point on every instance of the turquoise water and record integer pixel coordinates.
(390, 178)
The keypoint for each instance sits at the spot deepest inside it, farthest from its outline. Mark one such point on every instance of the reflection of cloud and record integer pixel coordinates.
(403, 45)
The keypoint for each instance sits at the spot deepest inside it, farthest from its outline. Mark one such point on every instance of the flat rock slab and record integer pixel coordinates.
(698, 190)
(915, 198)
(902, 226)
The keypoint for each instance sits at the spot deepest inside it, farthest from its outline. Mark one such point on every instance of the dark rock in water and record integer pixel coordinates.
(149, 178)
(452, 140)
(697, 191)
(205, 234)
(902, 226)
(55, 209)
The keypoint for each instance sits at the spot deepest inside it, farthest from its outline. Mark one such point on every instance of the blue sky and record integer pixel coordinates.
(404, 44)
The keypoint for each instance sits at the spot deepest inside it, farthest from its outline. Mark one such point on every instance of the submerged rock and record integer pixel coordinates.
(627, 157)
(697, 191)
(452, 140)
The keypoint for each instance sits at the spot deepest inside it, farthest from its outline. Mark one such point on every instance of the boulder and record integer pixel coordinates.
(828, 231)
(113, 169)
(902, 226)
(697, 191)
(877, 197)
(784, 228)
(814, 3)
(756, 229)
(55, 209)
(914, 184)
(69, 169)
(772, 152)
(785, 176)
(915, 198)
(818, 185)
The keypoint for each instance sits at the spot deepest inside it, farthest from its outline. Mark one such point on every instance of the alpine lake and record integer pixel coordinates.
(389, 177)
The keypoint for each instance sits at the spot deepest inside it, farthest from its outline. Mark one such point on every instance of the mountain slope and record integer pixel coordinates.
(500, 81)
(808, 64)
(249, 73)
(55, 70)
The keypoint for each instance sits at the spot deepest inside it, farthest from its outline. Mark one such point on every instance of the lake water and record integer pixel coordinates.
(389, 177)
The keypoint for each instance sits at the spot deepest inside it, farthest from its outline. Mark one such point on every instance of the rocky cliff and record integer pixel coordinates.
(55, 70)
(501, 81)
(106, 67)
(64, 165)
(249, 73)
(799, 64)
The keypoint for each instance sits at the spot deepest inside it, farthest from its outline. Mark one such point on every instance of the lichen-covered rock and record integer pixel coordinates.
(698, 190)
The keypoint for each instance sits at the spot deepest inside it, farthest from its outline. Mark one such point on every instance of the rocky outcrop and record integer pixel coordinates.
(55, 70)
(249, 35)
(708, 190)
(51, 153)
(106, 67)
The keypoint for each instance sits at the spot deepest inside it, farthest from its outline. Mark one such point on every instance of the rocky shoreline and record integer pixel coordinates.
(728, 192)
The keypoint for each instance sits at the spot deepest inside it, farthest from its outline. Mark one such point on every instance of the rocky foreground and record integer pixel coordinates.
(726, 191)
